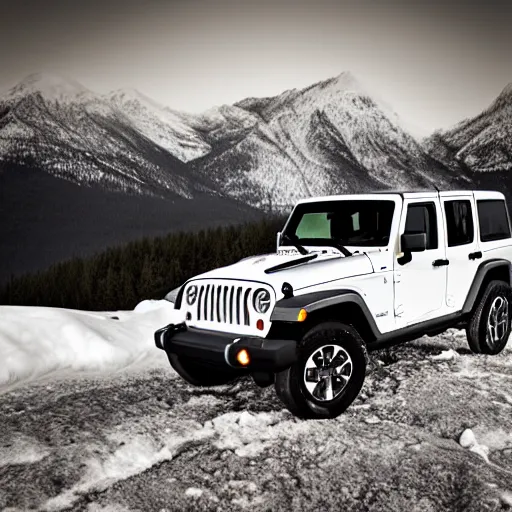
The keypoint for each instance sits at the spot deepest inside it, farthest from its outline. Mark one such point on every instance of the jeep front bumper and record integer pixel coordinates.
(221, 349)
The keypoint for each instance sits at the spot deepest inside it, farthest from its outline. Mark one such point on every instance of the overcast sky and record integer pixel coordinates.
(433, 62)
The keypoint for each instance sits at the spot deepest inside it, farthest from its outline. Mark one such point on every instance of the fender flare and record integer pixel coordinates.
(287, 310)
(476, 286)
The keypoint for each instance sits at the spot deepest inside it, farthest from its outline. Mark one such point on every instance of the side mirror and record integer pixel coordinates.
(278, 241)
(413, 242)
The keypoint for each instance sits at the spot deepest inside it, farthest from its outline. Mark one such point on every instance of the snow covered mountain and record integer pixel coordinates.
(268, 152)
(480, 147)
(166, 128)
(62, 128)
(328, 138)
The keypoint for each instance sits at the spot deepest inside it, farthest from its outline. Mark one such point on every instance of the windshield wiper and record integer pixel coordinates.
(340, 248)
(285, 237)
(293, 240)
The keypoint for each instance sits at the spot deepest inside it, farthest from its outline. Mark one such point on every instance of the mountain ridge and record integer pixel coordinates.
(75, 134)
(286, 127)
(268, 152)
(480, 144)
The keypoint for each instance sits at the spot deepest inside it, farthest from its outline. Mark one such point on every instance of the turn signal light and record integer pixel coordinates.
(303, 314)
(243, 357)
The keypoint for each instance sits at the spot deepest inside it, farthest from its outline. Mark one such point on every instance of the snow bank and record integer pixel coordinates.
(35, 341)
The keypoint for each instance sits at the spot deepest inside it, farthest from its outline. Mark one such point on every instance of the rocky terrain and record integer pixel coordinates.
(142, 439)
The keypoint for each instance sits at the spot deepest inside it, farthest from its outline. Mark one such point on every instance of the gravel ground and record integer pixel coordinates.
(143, 439)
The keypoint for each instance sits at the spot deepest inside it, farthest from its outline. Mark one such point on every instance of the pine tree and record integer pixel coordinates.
(121, 277)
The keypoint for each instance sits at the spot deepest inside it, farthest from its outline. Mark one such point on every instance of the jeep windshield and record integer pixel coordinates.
(356, 223)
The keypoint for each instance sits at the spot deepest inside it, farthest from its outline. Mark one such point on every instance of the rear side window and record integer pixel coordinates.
(493, 220)
(459, 222)
(422, 218)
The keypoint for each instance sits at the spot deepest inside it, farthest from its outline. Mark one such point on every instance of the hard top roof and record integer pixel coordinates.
(426, 193)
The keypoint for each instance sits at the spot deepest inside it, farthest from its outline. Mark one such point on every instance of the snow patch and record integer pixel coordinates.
(35, 341)
(194, 492)
(127, 452)
(247, 434)
(204, 401)
(94, 507)
(22, 451)
(136, 453)
(244, 433)
(495, 439)
(446, 355)
(506, 498)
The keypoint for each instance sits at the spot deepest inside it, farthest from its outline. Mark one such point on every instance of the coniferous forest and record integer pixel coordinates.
(120, 277)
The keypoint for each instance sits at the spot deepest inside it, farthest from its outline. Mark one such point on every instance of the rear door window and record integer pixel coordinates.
(459, 222)
(493, 220)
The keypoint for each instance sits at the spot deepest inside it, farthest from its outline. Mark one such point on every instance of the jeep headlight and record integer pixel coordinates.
(261, 301)
(191, 294)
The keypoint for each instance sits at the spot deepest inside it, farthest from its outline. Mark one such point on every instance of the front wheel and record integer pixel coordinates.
(328, 374)
(198, 374)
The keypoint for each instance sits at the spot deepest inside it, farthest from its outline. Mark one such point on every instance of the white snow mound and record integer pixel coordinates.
(446, 355)
(35, 341)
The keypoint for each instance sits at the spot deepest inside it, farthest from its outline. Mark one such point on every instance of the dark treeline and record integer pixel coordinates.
(119, 278)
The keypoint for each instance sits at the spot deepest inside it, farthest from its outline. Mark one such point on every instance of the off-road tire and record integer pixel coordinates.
(290, 386)
(198, 374)
(476, 331)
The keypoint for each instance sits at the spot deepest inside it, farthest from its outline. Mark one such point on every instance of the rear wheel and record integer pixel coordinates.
(328, 374)
(489, 327)
(200, 374)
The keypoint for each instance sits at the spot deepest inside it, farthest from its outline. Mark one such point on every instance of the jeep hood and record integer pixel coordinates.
(324, 268)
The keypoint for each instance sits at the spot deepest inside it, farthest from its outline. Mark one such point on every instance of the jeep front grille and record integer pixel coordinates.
(227, 305)
(224, 304)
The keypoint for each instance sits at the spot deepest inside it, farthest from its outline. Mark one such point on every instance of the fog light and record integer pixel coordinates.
(260, 325)
(243, 357)
(303, 314)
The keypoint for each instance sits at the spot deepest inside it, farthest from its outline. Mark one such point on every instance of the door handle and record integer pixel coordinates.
(440, 263)
(475, 255)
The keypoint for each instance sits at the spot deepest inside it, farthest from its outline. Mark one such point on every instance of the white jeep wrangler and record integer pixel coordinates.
(350, 273)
